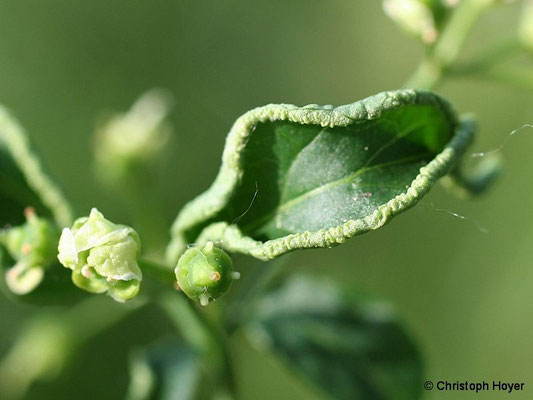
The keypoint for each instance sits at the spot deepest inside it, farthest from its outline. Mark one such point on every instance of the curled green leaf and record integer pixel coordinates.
(467, 183)
(23, 181)
(306, 177)
(102, 256)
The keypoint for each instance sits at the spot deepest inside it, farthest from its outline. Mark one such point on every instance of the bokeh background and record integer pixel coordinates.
(464, 295)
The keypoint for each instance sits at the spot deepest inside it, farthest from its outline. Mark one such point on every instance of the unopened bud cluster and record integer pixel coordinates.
(526, 26)
(102, 256)
(420, 18)
(133, 138)
(32, 247)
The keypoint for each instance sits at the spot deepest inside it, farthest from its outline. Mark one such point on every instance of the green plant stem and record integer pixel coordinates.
(202, 336)
(254, 285)
(158, 272)
(441, 56)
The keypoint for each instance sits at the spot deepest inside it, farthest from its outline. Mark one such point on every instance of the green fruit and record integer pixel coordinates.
(204, 274)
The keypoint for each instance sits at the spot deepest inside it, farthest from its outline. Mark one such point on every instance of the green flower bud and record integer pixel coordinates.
(33, 248)
(420, 18)
(102, 256)
(526, 26)
(133, 138)
(205, 274)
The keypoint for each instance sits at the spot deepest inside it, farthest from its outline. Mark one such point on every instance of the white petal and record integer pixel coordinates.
(68, 254)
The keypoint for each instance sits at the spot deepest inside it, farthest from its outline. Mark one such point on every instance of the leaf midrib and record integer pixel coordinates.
(319, 189)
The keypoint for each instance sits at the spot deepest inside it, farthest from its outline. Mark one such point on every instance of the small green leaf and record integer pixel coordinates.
(23, 182)
(165, 372)
(350, 347)
(295, 178)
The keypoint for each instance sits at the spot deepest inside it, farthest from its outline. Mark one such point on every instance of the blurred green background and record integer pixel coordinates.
(464, 295)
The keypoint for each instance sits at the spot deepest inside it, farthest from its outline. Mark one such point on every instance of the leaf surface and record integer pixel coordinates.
(347, 346)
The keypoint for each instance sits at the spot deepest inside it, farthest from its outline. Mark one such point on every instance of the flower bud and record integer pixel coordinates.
(526, 26)
(33, 248)
(102, 256)
(420, 18)
(204, 274)
(135, 137)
